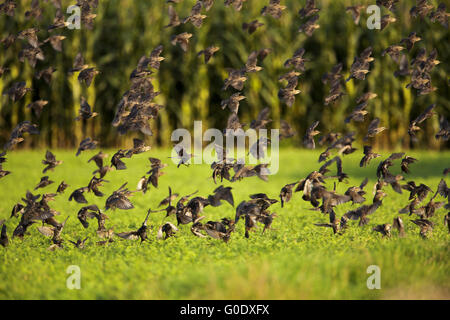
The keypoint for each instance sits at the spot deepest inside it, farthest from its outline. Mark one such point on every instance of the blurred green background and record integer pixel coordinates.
(124, 30)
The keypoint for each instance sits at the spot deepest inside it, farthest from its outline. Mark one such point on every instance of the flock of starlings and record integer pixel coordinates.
(137, 108)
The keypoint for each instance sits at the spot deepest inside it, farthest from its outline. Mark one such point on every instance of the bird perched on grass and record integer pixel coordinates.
(384, 229)
(78, 195)
(426, 227)
(286, 193)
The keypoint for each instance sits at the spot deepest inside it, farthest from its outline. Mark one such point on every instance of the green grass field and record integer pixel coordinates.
(294, 260)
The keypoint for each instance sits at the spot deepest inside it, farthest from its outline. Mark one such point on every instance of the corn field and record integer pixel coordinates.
(125, 30)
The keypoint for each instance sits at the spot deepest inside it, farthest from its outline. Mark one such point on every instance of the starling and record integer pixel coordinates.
(50, 162)
(309, 9)
(274, 9)
(251, 27)
(86, 144)
(208, 53)
(85, 111)
(182, 39)
(196, 18)
(173, 18)
(308, 139)
(355, 11)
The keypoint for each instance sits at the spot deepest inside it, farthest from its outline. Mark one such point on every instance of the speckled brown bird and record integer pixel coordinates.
(195, 17)
(208, 53)
(50, 162)
(174, 20)
(182, 40)
(252, 26)
(86, 144)
(309, 9)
